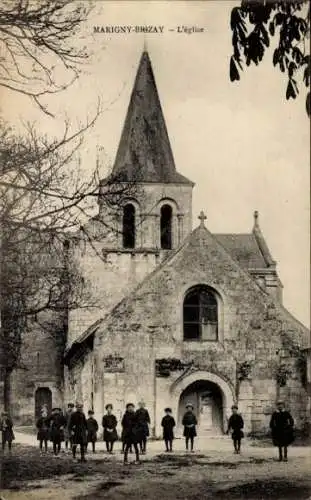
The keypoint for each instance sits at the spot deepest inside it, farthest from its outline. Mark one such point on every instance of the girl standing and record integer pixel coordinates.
(109, 424)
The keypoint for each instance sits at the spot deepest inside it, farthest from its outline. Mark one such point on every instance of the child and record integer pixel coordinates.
(6, 426)
(43, 429)
(189, 422)
(78, 431)
(92, 428)
(236, 424)
(57, 423)
(282, 427)
(67, 436)
(130, 431)
(109, 424)
(168, 424)
(143, 420)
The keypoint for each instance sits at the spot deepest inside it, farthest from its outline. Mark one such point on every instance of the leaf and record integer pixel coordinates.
(291, 68)
(308, 104)
(290, 91)
(276, 55)
(271, 28)
(234, 74)
(265, 36)
(306, 76)
(278, 18)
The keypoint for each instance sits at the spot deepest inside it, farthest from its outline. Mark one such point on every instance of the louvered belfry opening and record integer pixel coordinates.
(166, 227)
(129, 226)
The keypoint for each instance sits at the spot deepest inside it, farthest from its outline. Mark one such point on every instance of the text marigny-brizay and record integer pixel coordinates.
(129, 29)
(146, 29)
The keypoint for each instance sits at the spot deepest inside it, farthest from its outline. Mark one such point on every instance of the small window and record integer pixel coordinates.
(166, 227)
(200, 315)
(129, 226)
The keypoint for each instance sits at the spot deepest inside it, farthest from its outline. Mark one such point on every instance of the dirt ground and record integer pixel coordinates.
(27, 475)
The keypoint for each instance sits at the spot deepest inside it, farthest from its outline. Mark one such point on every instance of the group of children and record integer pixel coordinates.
(76, 430)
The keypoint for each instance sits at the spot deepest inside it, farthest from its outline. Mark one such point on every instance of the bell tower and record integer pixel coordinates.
(158, 213)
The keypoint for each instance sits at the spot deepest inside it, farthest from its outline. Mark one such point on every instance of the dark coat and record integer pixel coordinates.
(42, 425)
(92, 428)
(6, 426)
(109, 424)
(130, 432)
(236, 424)
(189, 422)
(168, 424)
(78, 428)
(282, 427)
(66, 430)
(143, 421)
(56, 427)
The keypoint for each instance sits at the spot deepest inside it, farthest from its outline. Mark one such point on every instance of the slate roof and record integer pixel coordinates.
(144, 152)
(243, 248)
(250, 250)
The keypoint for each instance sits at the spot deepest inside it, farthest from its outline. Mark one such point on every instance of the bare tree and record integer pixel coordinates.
(38, 44)
(44, 194)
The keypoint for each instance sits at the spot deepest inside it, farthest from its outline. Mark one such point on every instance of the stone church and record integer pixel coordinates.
(181, 314)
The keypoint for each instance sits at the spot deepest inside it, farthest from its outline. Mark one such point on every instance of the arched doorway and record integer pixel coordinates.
(211, 396)
(43, 397)
(207, 401)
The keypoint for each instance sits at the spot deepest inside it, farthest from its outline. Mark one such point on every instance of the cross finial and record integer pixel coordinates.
(202, 217)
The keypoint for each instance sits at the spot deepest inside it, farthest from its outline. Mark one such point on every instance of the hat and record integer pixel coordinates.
(234, 407)
(109, 405)
(70, 405)
(168, 410)
(189, 405)
(90, 412)
(79, 405)
(56, 409)
(129, 404)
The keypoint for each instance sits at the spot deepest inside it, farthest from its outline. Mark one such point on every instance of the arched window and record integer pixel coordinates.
(166, 227)
(129, 226)
(200, 314)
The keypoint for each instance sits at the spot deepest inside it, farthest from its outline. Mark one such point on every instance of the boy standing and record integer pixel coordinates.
(69, 412)
(168, 424)
(189, 422)
(92, 428)
(42, 425)
(236, 424)
(130, 431)
(6, 427)
(78, 431)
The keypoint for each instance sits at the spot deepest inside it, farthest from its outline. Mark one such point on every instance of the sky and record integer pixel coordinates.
(245, 147)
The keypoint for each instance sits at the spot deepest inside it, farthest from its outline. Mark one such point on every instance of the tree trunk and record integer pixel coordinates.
(7, 390)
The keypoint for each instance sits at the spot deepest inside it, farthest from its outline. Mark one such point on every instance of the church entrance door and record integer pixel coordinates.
(43, 397)
(206, 398)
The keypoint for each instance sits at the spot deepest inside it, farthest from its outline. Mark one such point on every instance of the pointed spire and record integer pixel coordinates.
(256, 217)
(144, 152)
(261, 242)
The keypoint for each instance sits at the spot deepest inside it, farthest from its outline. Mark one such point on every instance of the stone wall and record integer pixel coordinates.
(41, 366)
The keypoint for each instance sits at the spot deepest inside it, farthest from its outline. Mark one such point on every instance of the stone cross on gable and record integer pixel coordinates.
(202, 217)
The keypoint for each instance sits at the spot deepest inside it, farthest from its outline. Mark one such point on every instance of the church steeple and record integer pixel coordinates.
(144, 152)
